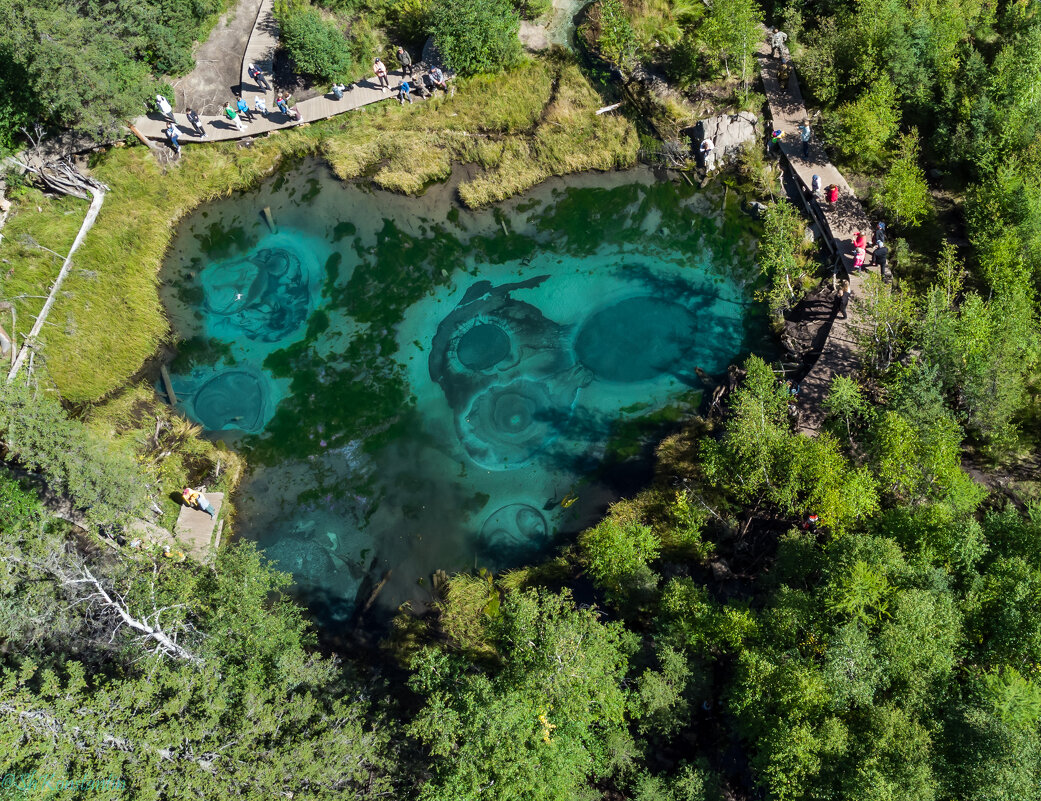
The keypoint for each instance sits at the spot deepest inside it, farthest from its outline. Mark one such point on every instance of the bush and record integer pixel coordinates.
(616, 39)
(533, 9)
(318, 48)
(476, 36)
(863, 128)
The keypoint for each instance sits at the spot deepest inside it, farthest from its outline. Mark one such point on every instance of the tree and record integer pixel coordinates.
(888, 315)
(316, 45)
(541, 724)
(863, 128)
(618, 553)
(904, 194)
(730, 34)
(476, 36)
(103, 481)
(780, 257)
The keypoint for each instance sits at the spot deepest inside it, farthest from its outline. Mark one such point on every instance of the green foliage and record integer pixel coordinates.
(90, 66)
(533, 9)
(618, 553)
(863, 128)
(845, 405)
(690, 620)
(542, 724)
(861, 593)
(1015, 698)
(888, 316)
(982, 351)
(781, 259)
(904, 194)
(616, 38)
(316, 45)
(689, 783)
(659, 705)
(20, 509)
(103, 481)
(246, 719)
(476, 36)
(760, 459)
(730, 35)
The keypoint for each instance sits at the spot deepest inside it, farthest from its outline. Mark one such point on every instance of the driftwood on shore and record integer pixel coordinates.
(61, 176)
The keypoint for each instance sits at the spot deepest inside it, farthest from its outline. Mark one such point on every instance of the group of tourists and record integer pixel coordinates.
(432, 79)
(237, 112)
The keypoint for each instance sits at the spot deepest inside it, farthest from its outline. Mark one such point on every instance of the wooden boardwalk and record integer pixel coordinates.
(840, 220)
(259, 50)
(195, 528)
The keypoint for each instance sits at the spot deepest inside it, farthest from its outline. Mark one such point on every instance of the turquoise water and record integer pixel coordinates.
(418, 387)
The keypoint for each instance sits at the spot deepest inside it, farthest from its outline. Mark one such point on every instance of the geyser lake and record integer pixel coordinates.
(420, 387)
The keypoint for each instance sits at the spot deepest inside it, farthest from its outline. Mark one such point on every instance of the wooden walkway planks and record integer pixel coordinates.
(195, 528)
(841, 220)
(259, 50)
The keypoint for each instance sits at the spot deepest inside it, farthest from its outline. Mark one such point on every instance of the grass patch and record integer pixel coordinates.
(168, 446)
(522, 127)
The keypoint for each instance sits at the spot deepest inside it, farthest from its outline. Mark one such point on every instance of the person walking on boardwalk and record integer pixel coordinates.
(233, 117)
(193, 118)
(815, 187)
(258, 77)
(406, 61)
(404, 93)
(381, 73)
(282, 105)
(805, 133)
(878, 237)
(243, 108)
(260, 106)
(880, 257)
(172, 134)
(777, 40)
(843, 298)
(858, 260)
(164, 107)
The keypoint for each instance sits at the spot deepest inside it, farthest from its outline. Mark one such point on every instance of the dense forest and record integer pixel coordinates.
(854, 616)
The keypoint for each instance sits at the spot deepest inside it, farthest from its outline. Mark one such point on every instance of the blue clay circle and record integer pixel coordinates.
(483, 346)
(635, 339)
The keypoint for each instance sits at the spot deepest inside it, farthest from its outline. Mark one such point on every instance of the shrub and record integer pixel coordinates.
(616, 39)
(317, 47)
(476, 35)
(863, 128)
(533, 9)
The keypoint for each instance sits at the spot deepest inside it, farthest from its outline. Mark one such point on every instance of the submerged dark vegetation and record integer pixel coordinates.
(889, 650)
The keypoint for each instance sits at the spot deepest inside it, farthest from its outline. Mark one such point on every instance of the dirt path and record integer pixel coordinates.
(218, 62)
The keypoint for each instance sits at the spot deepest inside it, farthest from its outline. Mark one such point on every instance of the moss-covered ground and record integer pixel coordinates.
(518, 128)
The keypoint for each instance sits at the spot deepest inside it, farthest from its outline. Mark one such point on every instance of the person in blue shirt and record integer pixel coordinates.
(404, 93)
(244, 109)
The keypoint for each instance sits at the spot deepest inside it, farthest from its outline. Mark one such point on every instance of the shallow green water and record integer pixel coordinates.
(419, 387)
